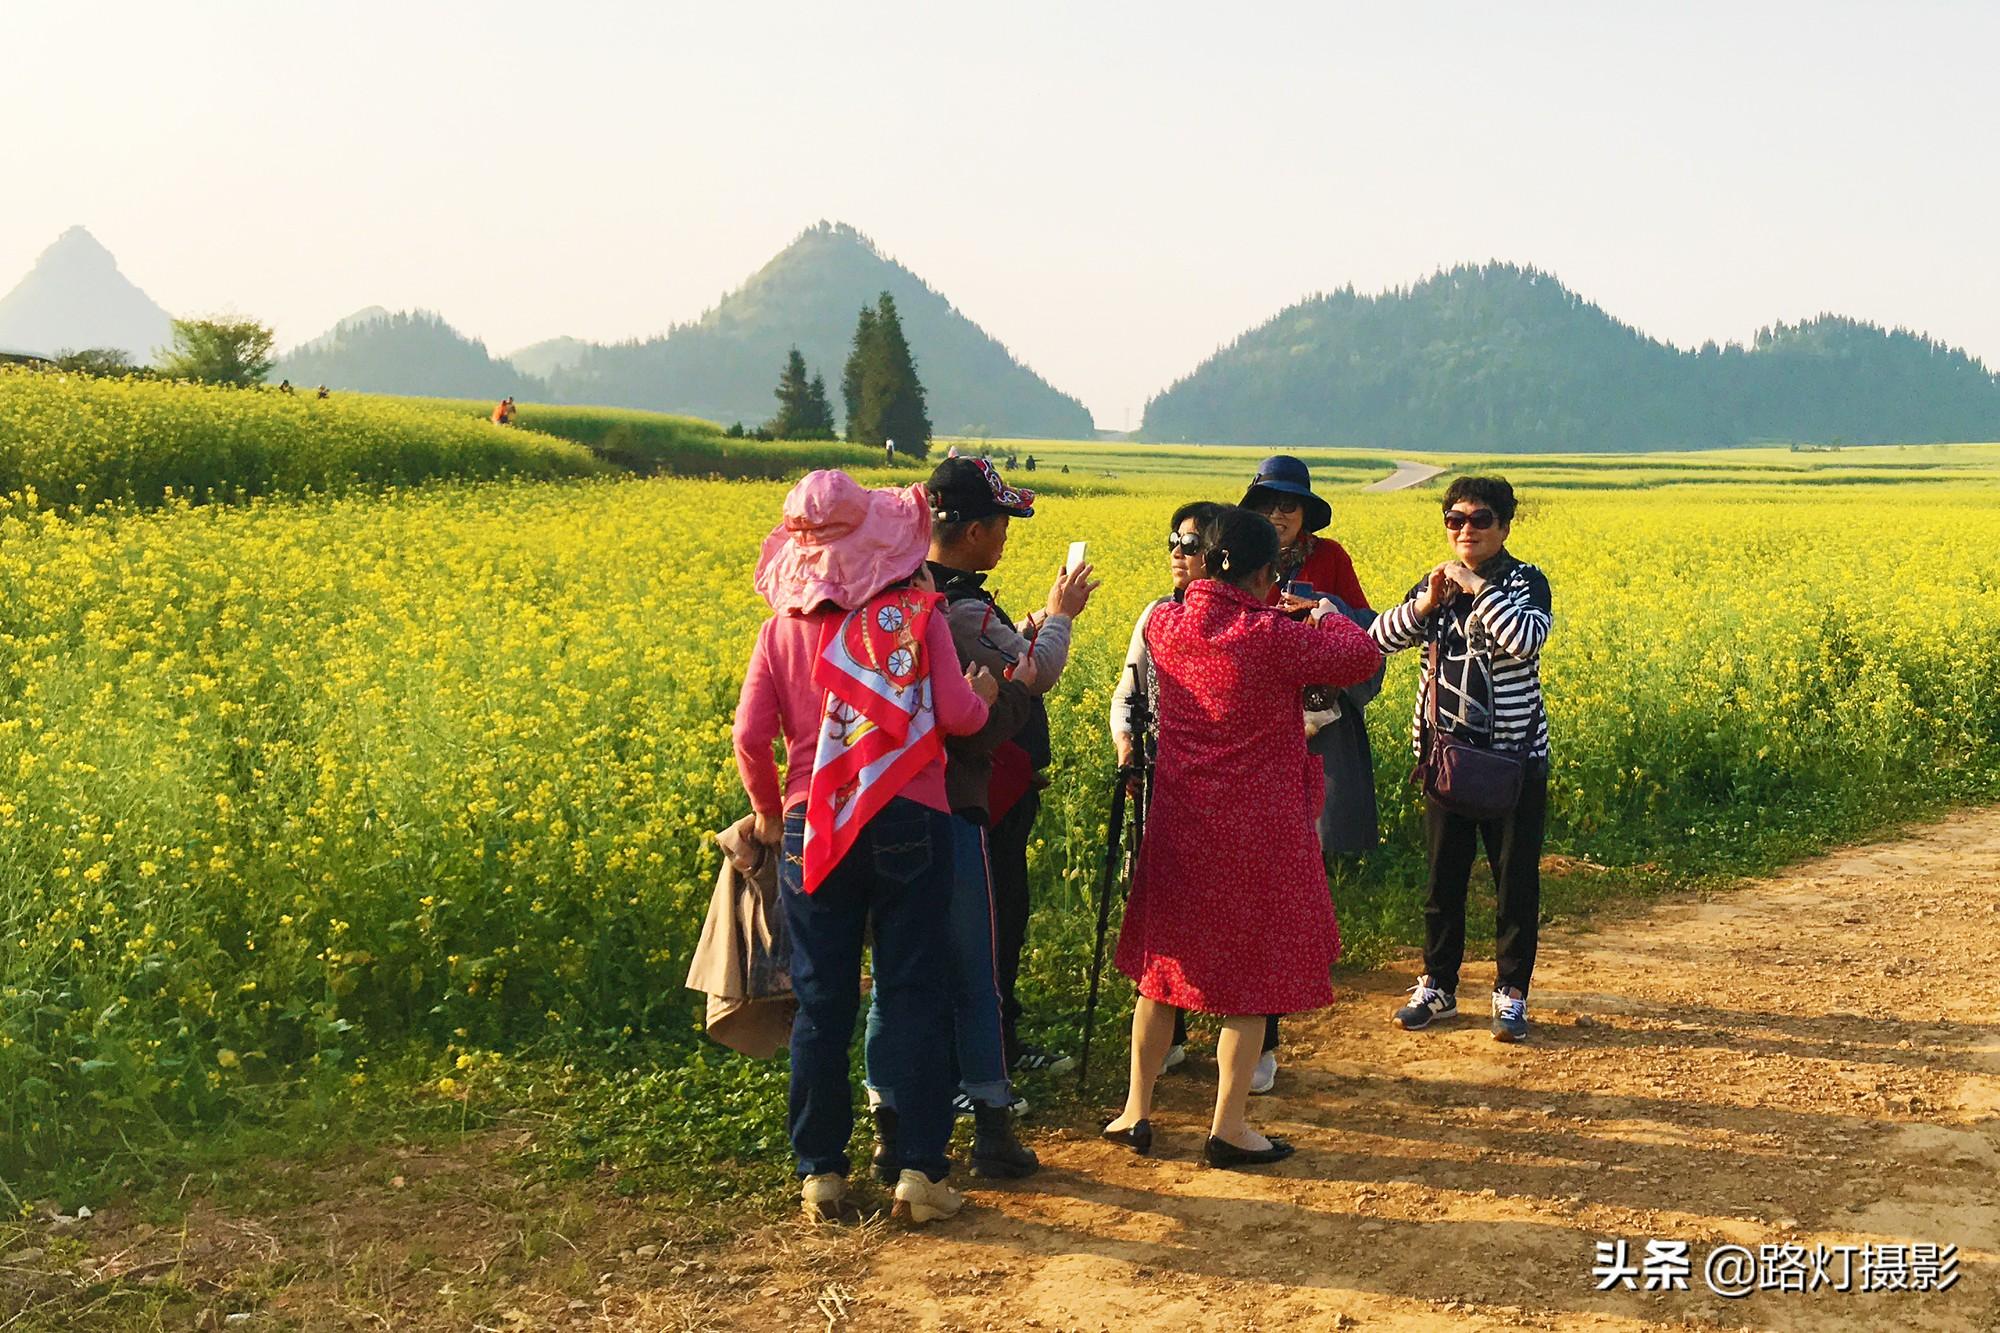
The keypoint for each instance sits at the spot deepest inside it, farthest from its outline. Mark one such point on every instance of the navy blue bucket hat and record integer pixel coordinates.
(1282, 474)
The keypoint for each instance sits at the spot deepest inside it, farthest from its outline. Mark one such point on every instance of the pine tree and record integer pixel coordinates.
(852, 376)
(892, 396)
(795, 410)
(819, 412)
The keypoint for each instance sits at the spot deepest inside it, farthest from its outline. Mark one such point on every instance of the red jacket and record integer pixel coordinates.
(1329, 570)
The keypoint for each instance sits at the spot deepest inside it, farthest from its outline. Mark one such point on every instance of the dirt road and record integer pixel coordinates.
(1812, 1060)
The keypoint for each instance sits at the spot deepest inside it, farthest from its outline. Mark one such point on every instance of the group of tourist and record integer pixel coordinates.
(911, 710)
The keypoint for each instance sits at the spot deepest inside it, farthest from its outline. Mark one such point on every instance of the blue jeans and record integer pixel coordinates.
(898, 875)
(980, 1058)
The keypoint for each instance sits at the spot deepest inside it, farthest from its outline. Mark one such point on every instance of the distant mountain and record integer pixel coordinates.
(725, 365)
(410, 352)
(548, 356)
(1500, 358)
(75, 297)
(365, 315)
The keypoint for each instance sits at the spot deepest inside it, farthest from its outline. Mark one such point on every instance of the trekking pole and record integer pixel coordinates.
(1130, 778)
(1111, 868)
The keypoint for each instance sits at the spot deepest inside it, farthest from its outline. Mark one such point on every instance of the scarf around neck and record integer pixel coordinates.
(878, 729)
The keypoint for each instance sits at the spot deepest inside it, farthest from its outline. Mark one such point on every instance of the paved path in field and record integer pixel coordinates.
(1406, 475)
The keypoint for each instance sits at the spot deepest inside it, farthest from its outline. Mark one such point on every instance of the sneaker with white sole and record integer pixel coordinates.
(1265, 1075)
(1176, 1055)
(1426, 1004)
(1041, 1060)
(824, 1198)
(919, 1199)
(1510, 1016)
(964, 1108)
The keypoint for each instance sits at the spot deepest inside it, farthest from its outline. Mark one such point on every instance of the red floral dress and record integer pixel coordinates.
(1229, 911)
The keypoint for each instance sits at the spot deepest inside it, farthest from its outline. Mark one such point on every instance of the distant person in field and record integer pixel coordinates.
(856, 671)
(285, 387)
(973, 507)
(889, 452)
(1031, 462)
(1229, 912)
(1482, 617)
(322, 392)
(503, 412)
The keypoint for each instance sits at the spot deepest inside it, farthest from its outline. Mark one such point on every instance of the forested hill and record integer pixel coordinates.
(410, 352)
(1500, 358)
(725, 365)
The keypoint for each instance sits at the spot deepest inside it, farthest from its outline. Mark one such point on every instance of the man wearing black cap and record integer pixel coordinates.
(972, 506)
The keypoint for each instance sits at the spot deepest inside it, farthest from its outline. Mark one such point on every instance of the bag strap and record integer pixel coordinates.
(1433, 673)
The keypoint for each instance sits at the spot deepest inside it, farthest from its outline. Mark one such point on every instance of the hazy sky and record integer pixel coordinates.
(1111, 190)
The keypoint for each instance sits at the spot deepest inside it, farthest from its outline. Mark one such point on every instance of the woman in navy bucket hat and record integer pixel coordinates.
(1282, 492)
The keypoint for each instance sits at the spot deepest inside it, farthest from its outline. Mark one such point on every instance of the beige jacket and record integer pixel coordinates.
(744, 960)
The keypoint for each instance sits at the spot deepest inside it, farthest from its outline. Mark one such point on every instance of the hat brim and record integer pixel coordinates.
(1318, 513)
(985, 508)
(796, 576)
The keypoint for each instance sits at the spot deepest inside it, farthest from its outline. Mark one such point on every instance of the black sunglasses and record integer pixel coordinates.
(1481, 519)
(1184, 543)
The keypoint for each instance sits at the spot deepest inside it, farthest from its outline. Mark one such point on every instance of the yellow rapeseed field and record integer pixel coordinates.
(284, 783)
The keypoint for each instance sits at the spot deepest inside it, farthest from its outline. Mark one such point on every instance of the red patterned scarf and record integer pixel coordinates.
(878, 730)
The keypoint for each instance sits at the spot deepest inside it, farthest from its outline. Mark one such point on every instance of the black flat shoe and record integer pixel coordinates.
(1139, 1138)
(1223, 1153)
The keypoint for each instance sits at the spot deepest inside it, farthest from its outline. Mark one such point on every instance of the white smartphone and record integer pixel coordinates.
(1075, 561)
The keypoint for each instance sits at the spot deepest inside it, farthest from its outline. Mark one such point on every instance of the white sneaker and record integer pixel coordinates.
(1265, 1075)
(824, 1197)
(919, 1199)
(1176, 1055)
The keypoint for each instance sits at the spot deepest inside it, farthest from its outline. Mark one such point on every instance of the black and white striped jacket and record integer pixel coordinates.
(1490, 654)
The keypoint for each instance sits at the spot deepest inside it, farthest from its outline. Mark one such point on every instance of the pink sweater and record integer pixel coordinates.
(779, 696)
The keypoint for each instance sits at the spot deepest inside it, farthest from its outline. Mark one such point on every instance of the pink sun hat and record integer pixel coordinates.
(842, 543)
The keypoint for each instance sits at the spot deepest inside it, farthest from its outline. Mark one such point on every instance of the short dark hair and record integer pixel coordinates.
(1493, 492)
(1203, 512)
(948, 535)
(1238, 543)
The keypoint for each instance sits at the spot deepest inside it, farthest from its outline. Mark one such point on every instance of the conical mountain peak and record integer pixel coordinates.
(75, 297)
(77, 246)
(722, 366)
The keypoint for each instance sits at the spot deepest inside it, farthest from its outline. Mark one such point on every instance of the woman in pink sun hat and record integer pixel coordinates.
(857, 672)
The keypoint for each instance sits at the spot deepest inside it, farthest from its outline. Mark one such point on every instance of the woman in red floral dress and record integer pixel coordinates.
(1229, 911)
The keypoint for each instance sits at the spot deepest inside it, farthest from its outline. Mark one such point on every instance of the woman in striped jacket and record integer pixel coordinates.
(1489, 615)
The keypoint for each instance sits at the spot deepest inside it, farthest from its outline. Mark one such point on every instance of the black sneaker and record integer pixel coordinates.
(965, 1108)
(1426, 1004)
(1040, 1060)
